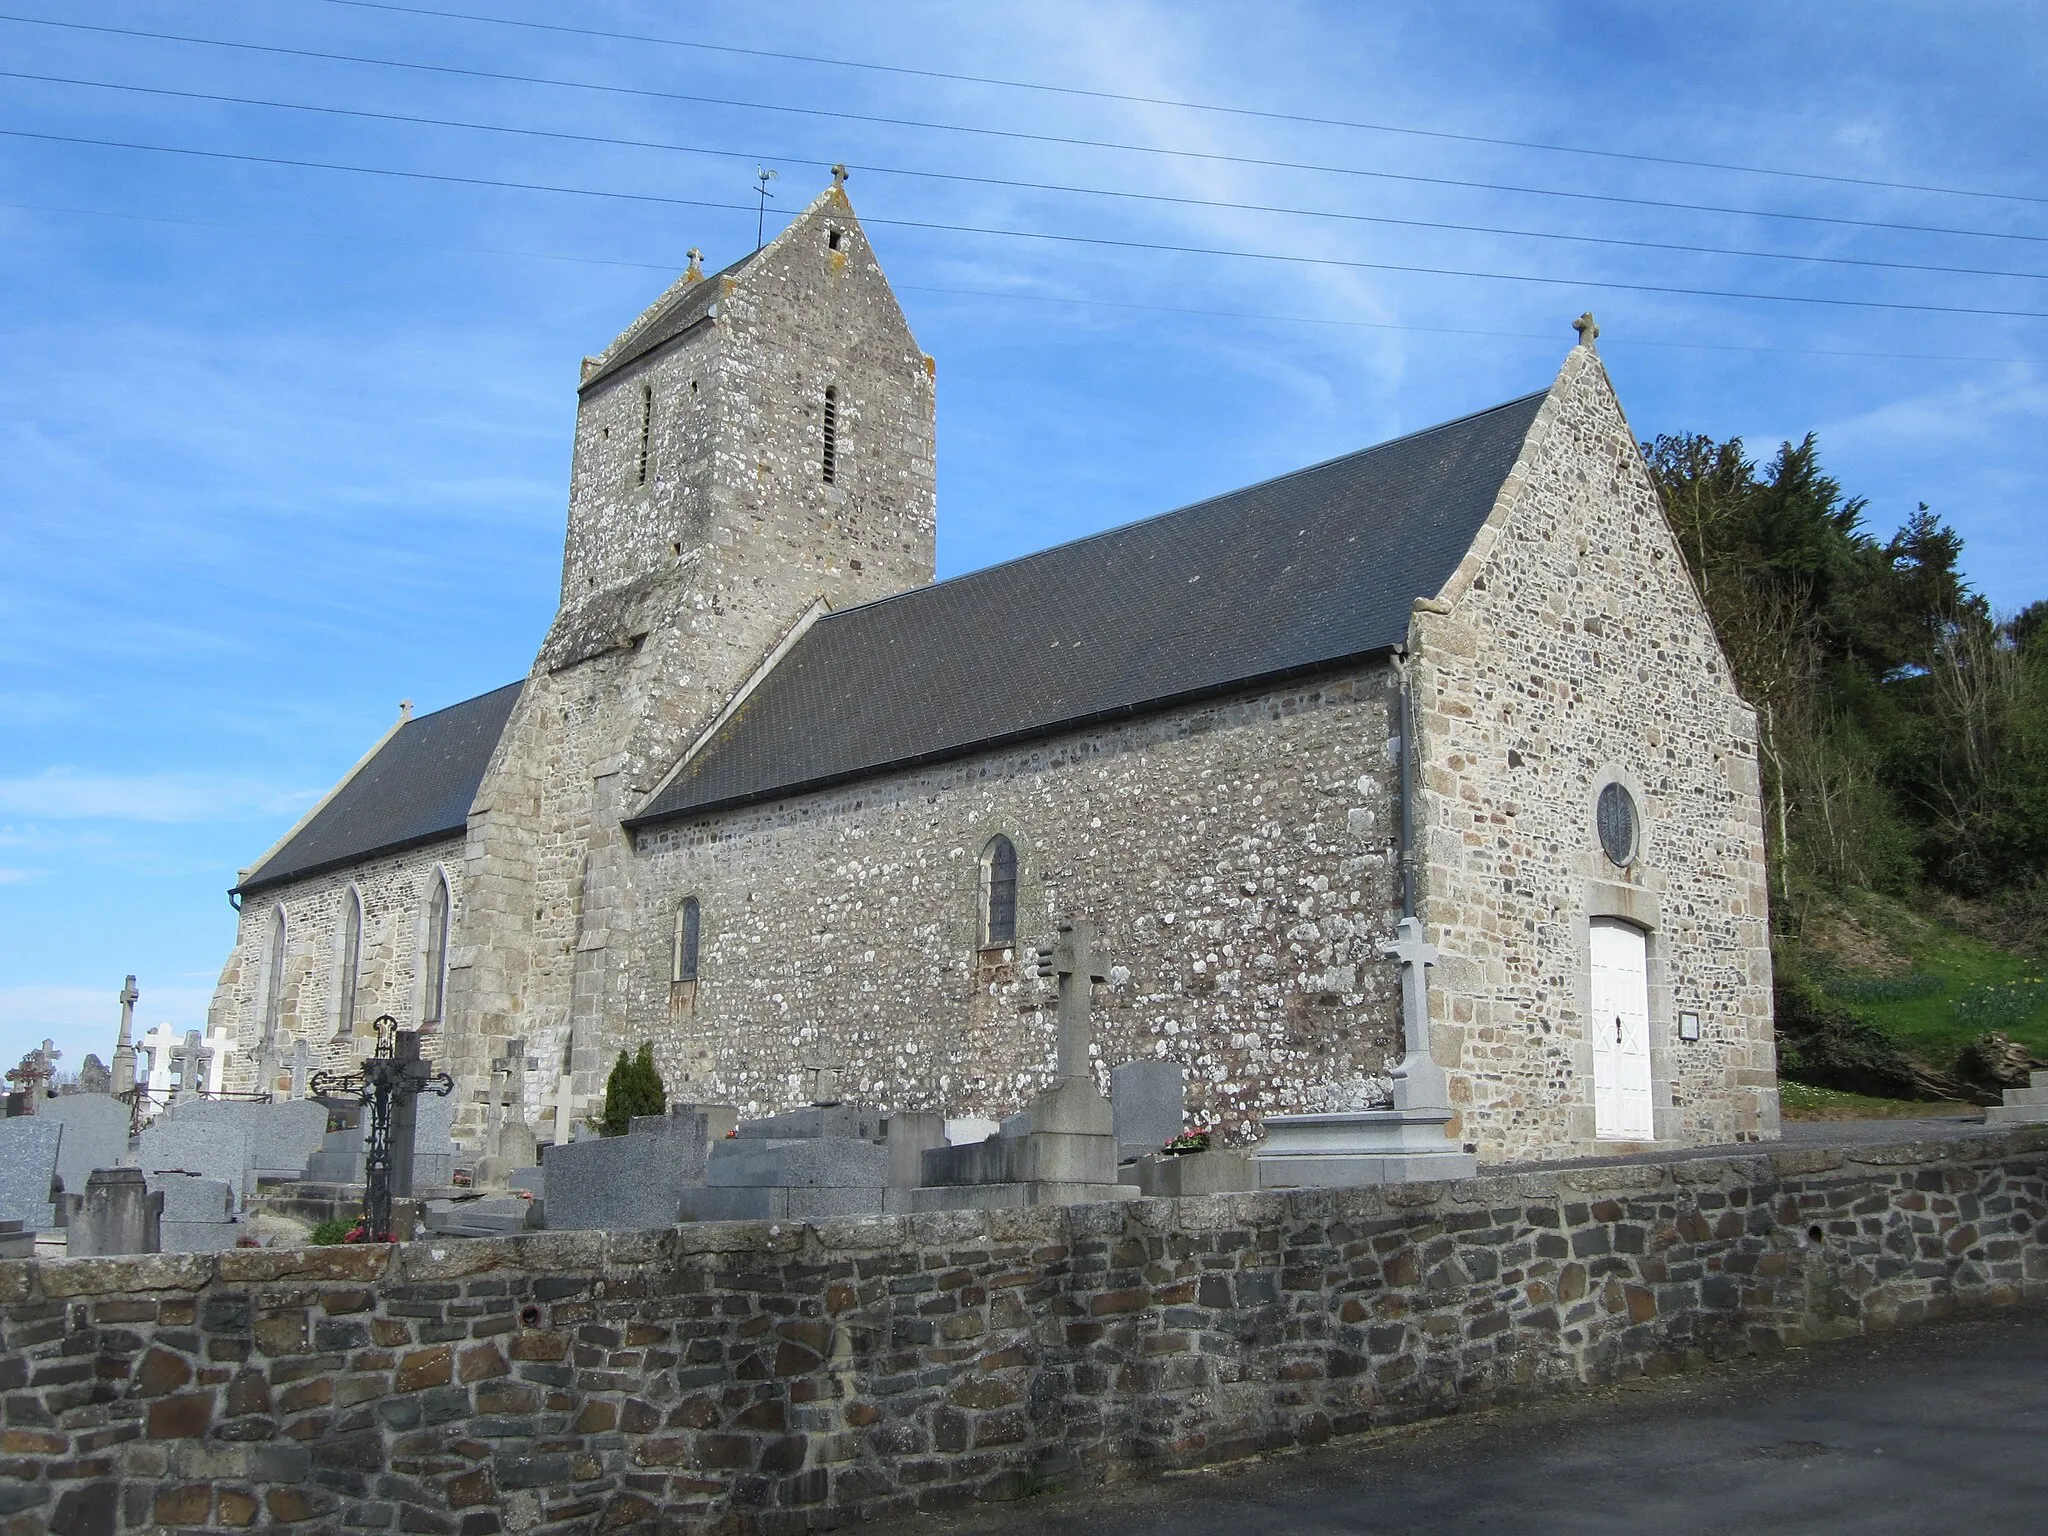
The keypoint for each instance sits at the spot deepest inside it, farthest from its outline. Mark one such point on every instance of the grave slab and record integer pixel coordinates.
(198, 1213)
(620, 1183)
(211, 1148)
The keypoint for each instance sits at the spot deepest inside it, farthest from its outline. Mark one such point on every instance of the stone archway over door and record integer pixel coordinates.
(1620, 1028)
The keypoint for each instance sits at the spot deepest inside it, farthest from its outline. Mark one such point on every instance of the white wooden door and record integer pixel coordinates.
(1620, 1027)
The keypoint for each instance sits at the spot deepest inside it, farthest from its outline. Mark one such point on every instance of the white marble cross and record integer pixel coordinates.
(1418, 1081)
(160, 1042)
(220, 1045)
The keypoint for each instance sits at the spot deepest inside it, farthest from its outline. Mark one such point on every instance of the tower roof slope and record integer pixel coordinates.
(1305, 571)
(416, 789)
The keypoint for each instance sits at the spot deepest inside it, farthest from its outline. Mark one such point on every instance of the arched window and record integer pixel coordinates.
(646, 430)
(682, 959)
(350, 974)
(831, 455)
(434, 953)
(998, 893)
(273, 976)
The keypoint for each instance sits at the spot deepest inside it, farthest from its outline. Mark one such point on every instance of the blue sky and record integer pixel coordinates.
(280, 445)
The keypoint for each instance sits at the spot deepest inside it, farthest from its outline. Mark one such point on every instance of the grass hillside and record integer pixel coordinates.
(1928, 988)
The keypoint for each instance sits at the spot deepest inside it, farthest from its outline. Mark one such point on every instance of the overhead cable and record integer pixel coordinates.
(1064, 141)
(1014, 184)
(1102, 241)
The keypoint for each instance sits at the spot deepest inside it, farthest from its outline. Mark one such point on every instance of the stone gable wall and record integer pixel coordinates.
(1237, 858)
(1574, 651)
(673, 592)
(753, 1378)
(394, 890)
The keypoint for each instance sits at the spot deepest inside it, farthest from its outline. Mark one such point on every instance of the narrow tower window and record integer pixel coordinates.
(646, 429)
(999, 893)
(434, 954)
(682, 959)
(351, 963)
(832, 239)
(831, 461)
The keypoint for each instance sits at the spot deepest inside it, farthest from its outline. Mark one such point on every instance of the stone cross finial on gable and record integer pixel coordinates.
(1588, 330)
(839, 177)
(1072, 958)
(694, 272)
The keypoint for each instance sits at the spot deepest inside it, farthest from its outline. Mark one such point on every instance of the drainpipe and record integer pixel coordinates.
(1407, 766)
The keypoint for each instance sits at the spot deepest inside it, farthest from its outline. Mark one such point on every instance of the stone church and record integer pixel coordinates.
(775, 800)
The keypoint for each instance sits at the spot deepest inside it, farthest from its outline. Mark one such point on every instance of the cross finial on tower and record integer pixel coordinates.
(1588, 331)
(839, 177)
(405, 709)
(694, 272)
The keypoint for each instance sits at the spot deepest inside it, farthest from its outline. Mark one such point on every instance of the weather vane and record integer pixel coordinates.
(762, 175)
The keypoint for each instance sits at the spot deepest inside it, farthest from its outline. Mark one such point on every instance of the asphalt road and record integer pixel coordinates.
(1939, 1429)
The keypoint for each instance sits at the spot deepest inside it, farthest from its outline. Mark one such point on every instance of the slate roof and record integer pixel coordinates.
(1308, 571)
(416, 789)
(682, 311)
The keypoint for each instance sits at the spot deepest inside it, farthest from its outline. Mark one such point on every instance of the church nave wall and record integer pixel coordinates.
(395, 892)
(1238, 858)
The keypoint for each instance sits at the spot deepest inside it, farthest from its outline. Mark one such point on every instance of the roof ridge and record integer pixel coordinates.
(473, 698)
(1190, 506)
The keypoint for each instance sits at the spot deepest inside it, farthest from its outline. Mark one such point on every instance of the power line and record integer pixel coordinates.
(1684, 247)
(1010, 294)
(1021, 136)
(1193, 106)
(1104, 241)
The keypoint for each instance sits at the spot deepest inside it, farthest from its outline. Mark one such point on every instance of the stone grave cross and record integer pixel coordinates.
(161, 1043)
(302, 1066)
(189, 1062)
(1418, 1081)
(220, 1045)
(1072, 958)
(822, 1071)
(37, 1068)
(515, 1137)
(124, 1045)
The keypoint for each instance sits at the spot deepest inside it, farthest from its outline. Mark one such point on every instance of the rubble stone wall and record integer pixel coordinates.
(749, 1377)
(1236, 856)
(1573, 652)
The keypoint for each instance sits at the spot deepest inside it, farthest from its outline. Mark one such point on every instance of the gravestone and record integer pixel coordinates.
(1065, 1153)
(631, 1182)
(509, 1142)
(95, 1135)
(1148, 1102)
(28, 1162)
(753, 1178)
(339, 1159)
(198, 1213)
(94, 1078)
(219, 1045)
(302, 1067)
(433, 1142)
(117, 1213)
(210, 1147)
(1378, 1146)
(279, 1138)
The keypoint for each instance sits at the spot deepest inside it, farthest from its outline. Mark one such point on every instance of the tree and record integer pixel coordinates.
(634, 1088)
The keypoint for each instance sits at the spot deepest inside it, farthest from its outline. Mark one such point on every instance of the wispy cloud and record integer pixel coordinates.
(15, 876)
(65, 794)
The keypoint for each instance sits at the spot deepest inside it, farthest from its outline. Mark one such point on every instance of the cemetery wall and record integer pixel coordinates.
(782, 1378)
(395, 890)
(1571, 652)
(1237, 856)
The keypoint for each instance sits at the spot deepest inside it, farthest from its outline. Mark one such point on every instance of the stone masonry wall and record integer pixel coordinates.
(748, 1377)
(394, 891)
(675, 588)
(1573, 652)
(1236, 856)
